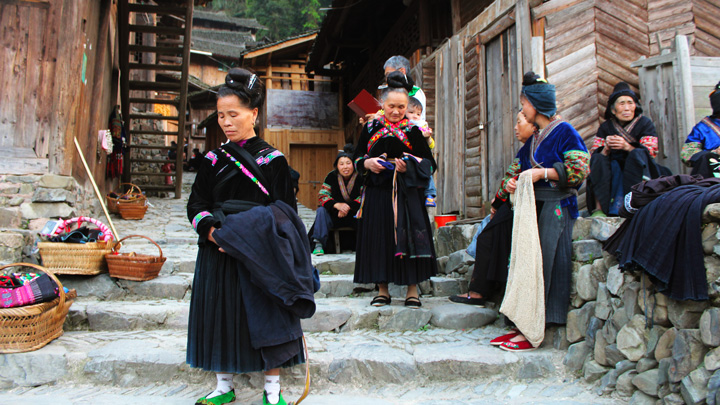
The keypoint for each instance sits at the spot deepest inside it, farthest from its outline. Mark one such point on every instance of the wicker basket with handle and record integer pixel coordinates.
(133, 196)
(132, 266)
(132, 209)
(87, 259)
(27, 328)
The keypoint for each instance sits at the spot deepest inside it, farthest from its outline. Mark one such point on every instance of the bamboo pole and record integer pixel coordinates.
(97, 192)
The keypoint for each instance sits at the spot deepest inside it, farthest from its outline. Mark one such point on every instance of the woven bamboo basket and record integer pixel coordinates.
(132, 266)
(132, 209)
(134, 195)
(31, 327)
(84, 259)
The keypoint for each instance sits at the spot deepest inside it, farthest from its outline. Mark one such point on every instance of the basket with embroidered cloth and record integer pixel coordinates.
(84, 257)
(33, 308)
(134, 266)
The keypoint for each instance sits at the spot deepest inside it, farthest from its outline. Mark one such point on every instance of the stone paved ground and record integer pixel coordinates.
(125, 343)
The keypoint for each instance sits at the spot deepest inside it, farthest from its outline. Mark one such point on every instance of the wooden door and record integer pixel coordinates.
(503, 104)
(313, 162)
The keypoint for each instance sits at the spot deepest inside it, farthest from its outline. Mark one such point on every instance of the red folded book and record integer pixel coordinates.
(364, 104)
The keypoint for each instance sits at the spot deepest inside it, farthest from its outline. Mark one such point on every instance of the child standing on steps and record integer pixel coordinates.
(414, 113)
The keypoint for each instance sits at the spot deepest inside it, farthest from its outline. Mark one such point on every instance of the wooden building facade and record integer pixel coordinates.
(58, 75)
(469, 57)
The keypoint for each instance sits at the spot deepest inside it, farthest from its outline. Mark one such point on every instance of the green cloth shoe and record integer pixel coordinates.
(225, 398)
(598, 214)
(280, 401)
(318, 251)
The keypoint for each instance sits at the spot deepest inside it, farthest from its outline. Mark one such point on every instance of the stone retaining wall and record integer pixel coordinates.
(621, 333)
(27, 202)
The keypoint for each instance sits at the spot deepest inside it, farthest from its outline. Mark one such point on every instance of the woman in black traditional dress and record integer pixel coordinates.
(623, 152)
(395, 242)
(219, 339)
(338, 201)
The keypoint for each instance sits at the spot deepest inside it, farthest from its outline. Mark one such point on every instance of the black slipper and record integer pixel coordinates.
(380, 301)
(413, 302)
(478, 302)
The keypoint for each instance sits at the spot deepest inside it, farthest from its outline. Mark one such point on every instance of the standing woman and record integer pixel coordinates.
(219, 339)
(395, 242)
(338, 201)
(558, 161)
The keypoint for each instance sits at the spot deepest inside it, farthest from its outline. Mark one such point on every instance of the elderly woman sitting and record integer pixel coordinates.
(701, 150)
(623, 152)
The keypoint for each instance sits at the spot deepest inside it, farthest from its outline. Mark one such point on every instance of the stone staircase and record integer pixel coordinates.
(124, 341)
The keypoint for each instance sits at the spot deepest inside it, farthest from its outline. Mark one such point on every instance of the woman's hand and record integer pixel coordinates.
(617, 142)
(492, 209)
(211, 239)
(511, 185)
(400, 165)
(343, 209)
(373, 165)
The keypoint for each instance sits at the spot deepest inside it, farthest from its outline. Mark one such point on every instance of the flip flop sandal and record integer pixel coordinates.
(523, 346)
(413, 302)
(504, 338)
(225, 398)
(478, 302)
(380, 301)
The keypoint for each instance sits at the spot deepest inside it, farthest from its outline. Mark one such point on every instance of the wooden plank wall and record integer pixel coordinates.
(707, 29)
(474, 107)
(665, 18)
(44, 101)
(449, 129)
(705, 75)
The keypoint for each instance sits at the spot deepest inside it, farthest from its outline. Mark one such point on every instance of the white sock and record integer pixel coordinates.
(272, 388)
(224, 385)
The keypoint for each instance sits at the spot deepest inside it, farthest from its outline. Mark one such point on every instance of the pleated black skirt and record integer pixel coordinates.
(375, 260)
(218, 337)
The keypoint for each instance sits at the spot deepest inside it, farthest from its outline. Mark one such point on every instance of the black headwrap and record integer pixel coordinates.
(715, 101)
(539, 93)
(622, 89)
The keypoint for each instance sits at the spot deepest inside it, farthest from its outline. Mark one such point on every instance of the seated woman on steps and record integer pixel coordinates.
(557, 159)
(701, 150)
(395, 243)
(338, 199)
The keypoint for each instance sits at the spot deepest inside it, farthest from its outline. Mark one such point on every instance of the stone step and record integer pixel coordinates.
(343, 286)
(172, 286)
(332, 314)
(549, 391)
(357, 359)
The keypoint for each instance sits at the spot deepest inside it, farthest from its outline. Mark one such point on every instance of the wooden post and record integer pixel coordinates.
(538, 56)
(524, 29)
(683, 86)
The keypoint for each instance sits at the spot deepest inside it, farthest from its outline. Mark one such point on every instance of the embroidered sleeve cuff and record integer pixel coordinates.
(597, 144)
(577, 167)
(199, 217)
(689, 150)
(651, 144)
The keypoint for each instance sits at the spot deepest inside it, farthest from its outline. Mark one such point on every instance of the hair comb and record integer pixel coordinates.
(251, 83)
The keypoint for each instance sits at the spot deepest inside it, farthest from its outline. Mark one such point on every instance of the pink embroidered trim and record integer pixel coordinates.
(199, 217)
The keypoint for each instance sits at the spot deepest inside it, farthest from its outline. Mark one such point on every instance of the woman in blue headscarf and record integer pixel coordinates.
(557, 158)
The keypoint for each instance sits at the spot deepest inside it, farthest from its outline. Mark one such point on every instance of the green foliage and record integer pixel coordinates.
(283, 18)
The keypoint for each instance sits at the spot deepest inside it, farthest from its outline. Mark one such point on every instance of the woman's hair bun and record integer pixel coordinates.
(397, 79)
(349, 148)
(244, 84)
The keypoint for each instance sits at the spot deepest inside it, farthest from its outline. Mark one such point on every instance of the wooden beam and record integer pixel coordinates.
(524, 29)
(455, 15)
(491, 14)
(27, 3)
(283, 45)
(552, 6)
(498, 27)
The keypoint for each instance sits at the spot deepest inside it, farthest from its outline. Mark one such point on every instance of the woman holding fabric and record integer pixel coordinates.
(623, 152)
(393, 158)
(701, 150)
(338, 199)
(492, 251)
(557, 161)
(244, 173)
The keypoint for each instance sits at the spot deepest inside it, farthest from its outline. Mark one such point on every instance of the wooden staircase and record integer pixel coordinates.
(154, 45)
